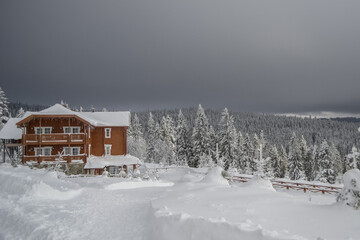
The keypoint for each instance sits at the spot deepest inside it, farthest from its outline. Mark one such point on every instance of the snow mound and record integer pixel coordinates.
(350, 177)
(43, 191)
(140, 184)
(214, 176)
(258, 182)
(350, 194)
(184, 226)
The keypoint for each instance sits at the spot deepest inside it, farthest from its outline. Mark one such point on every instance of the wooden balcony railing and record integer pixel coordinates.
(67, 158)
(55, 138)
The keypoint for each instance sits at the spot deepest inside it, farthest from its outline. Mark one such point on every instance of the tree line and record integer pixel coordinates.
(176, 142)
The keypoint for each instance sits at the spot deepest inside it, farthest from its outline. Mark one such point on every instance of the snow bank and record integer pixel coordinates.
(167, 225)
(215, 177)
(258, 182)
(140, 184)
(42, 191)
(350, 194)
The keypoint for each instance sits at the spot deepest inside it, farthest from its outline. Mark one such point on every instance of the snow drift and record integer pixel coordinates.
(215, 177)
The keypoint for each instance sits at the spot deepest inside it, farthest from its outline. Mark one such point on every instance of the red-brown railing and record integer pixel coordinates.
(67, 158)
(55, 138)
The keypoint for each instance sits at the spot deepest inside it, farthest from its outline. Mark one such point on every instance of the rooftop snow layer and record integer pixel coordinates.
(10, 130)
(98, 119)
(119, 160)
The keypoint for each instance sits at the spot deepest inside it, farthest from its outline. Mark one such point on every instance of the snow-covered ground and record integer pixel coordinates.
(35, 204)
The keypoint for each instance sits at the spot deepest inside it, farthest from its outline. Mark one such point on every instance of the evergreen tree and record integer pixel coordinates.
(326, 172)
(353, 158)
(167, 135)
(336, 159)
(151, 140)
(248, 159)
(200, 137)
(295, 165)
(213, 144)
(182, 141)
(20, 113)
(309, 164)
(273, 167)
(241, 162)
(136, 141)
(283, 162)
(4, 110)
(227, 139)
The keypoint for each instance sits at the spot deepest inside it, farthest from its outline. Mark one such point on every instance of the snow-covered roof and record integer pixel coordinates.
(10, 130)
(119, 160)
(97, 119)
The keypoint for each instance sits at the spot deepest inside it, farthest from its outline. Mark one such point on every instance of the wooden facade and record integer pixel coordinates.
(60, 135)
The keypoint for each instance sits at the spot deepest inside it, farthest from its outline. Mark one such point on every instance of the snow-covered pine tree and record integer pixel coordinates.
(336, 159)
(248, 159)
(213, 144)
(4, 110)
(20, 113)
(283, 162)
(353, 158)
(295, 165)
(182, 141)
(227, 139)
(200, 137)
(309, 164)
(136, 141)
(326, 172)
(272, 168)
(240, 155)
(167, 131)
(151, 140)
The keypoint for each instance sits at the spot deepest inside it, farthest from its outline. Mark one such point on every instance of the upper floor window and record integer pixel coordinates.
(43, 130)
(71, 129)
(107, 132)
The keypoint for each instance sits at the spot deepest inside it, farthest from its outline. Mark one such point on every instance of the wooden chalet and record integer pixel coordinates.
(92, 140)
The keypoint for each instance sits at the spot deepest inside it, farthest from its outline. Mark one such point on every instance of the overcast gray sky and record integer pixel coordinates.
(254, 55)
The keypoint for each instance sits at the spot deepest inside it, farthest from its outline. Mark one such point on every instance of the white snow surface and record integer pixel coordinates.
(214, 177)
(36, 204)
(111, 160)
(10, 130)
(97, 119)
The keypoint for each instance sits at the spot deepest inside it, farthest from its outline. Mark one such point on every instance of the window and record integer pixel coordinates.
(44, 151)
(46, 130)
(71, 129)
(113, 170)
(107, 149)
(107, 132)
(73, 150)
(43, 130)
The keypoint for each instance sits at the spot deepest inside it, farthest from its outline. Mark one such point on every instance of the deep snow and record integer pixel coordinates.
(36, 204)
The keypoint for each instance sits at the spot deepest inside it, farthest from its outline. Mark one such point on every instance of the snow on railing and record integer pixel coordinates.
(295, 185)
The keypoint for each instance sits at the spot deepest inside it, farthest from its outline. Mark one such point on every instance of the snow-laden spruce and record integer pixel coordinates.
(350, 194)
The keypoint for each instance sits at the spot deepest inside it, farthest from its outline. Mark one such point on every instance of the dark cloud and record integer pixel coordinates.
(265, 56)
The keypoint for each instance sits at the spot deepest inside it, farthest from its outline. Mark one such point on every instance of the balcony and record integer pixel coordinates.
(53, 139)
(52, 158)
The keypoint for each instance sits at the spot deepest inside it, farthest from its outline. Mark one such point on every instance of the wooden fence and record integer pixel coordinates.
(305, 187)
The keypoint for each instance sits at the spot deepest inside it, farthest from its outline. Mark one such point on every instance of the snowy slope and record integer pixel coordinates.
(35, 204)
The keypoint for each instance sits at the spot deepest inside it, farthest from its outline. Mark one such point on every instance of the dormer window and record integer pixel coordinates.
(107, 132)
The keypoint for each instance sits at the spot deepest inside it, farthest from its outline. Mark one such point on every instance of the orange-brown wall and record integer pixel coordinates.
(56, 123)
(117, 140)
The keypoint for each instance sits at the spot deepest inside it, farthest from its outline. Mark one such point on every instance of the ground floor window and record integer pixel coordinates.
(43, 151)
(72, 150)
